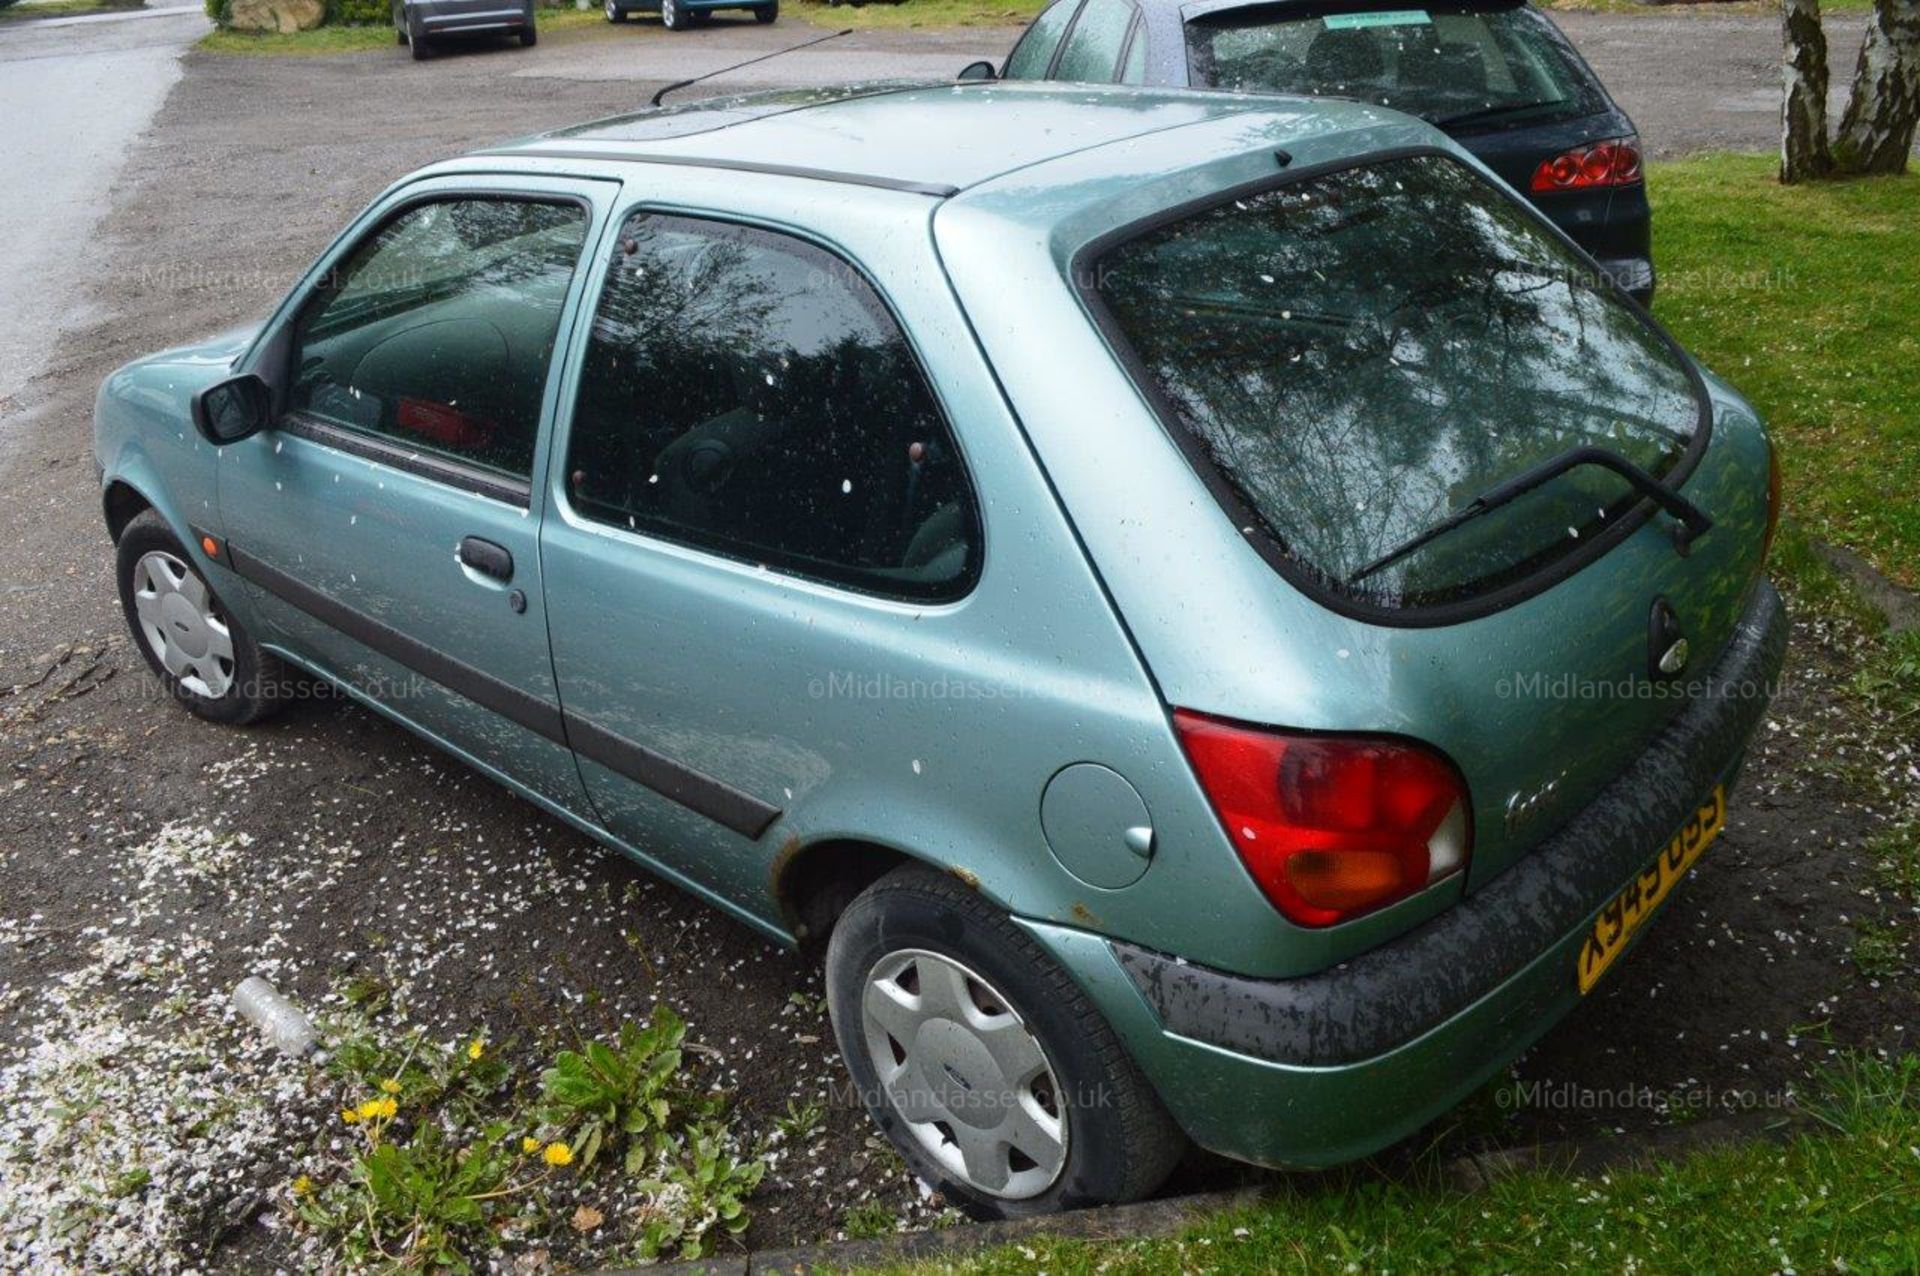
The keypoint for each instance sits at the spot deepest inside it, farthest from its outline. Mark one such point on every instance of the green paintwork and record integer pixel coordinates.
(1112, 585)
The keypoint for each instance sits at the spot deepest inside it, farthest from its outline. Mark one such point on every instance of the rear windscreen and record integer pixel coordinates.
(1494, 65)
(1358, 355)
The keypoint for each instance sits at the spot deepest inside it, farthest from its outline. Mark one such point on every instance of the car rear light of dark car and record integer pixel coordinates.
(1610, 163)
(1330, 827)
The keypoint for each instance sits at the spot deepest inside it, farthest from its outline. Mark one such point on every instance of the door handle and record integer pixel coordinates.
(486, 558)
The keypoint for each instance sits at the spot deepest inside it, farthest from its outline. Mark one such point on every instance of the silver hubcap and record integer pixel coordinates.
(184, 632)
(962, 1069)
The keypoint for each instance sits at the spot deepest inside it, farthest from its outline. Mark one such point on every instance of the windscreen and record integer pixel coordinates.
(1494, 65)
(1359, 354)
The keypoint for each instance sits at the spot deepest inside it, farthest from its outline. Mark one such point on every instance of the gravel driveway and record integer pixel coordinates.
(148, 862)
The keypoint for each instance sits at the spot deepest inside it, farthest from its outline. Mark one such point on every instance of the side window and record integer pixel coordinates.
(746, 392)
(437, 332)
(1134, 69)
(1031, 57)
(1094, 46)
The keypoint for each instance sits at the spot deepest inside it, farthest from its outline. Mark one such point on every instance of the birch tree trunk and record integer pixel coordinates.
(1804, 155)
(1876, 133)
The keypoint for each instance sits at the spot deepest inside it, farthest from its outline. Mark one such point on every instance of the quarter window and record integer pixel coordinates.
(746, 392)
(437, 332)
(1031, 57)
(1134, 69)
(1094, 47)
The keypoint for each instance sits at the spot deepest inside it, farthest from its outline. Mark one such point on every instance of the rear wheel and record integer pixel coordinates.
(672, 16)
(614, 12)
(987, 1067)
(206, 658)
(767, 12)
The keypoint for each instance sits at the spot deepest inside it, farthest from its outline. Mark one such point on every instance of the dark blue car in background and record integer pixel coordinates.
(1499, 77)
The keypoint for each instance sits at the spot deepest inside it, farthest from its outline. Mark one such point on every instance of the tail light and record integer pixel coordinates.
(1613, 163)
(1330, 827)
(1773, 499)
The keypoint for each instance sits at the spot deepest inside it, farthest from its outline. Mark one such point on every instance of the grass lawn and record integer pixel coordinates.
(1808, 300)
(67, 9)
(918, 13)
(1842, 1199)
(333, 39)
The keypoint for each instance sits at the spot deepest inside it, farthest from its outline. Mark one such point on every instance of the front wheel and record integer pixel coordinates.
(204, 656)
(672, 16)
(987, 1067)
(615, 13)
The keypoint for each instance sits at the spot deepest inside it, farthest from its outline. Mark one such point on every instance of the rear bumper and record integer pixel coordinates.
(1333, 1066)
(452, 17)
(1634, 275)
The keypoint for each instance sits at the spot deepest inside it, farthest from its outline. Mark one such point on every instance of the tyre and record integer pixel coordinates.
(422, 47)
(982, 1061)
(399, 36)
(672, 16)
(528, 37)
(615, 13)
(767, 12)
(204, 656)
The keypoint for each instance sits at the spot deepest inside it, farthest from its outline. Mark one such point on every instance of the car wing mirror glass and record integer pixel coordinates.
(978, 71)
(230, 410)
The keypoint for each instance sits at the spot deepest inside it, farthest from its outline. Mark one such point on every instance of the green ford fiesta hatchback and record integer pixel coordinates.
(1201, 606)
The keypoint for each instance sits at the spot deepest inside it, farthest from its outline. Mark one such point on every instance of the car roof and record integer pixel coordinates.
(938, 139)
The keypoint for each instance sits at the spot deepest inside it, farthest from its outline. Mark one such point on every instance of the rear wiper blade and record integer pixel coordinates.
(1486, 113)
(1693, 522)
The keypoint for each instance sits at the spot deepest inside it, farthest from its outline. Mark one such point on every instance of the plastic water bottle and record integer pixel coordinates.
(275, 1016)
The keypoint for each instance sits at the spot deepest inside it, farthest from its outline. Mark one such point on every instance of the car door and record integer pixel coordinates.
(387, 526)
(758, 486)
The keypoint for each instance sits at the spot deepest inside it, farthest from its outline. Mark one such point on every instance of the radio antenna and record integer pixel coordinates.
(804, 44)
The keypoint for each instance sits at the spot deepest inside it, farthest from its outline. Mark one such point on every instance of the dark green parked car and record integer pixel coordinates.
(1201, 608)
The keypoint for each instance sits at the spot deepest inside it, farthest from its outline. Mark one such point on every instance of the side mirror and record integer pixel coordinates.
(977, 71)
(230, 410)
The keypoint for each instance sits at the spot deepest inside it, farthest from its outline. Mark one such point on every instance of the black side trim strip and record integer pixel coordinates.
(410, 460)
(1408, 986)
(937, 190)
(536, 715)
(717, 800)
(698, 792)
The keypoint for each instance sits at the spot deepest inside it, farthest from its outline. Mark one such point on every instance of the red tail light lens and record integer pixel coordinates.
(1330, 827)
(1614, 163)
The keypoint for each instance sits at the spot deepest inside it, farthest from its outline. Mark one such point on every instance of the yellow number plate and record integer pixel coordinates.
(1620, 919)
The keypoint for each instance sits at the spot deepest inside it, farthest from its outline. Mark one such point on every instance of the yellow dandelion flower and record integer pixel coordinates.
(370, 1109)
(529, 1145)
(386, 1108)
(557, 1154)
(350, 1115)
(391, 1085)
(303, 1186)
(476, 1048)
